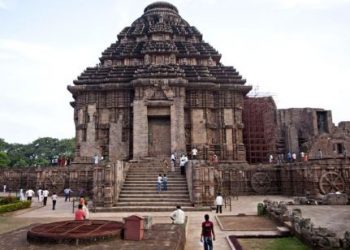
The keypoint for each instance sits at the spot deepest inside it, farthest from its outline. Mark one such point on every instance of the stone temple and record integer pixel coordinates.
(160, 88)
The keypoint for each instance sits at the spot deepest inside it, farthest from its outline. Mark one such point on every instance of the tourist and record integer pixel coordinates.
(208, 234)
(82, 200)
(173, 162)
(270, 158)
(218, 202)
(54, 200)
(289, 157)
(302, 156)
(21, 195)
(165, 166)
(67, 191)
(294, 157)
(183, 162)
(178, 216)
(319, 154)
(194, 153)
(165, 182)
(215, 159)
(4, 188)
(79, 214)
(159, 183)
(96, 159)
(29, 194)
(86, 210)
(45, 195)
(40, 194)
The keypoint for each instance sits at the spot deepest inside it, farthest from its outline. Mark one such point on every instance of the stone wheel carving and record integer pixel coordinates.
(261, 182)
(331, 182)
(54, 183)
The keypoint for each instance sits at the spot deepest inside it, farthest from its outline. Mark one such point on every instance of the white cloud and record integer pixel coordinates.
(3, 4)
(318, 4)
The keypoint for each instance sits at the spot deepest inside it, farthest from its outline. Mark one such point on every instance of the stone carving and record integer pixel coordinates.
(331, 182)
(261, 182)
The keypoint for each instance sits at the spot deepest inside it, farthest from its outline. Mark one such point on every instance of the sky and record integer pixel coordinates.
(298, 51)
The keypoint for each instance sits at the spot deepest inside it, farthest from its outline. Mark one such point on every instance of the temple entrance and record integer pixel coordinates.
(159, 136)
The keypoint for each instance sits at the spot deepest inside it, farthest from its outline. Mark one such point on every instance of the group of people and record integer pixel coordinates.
(42, 194)
(207, 233)
(162, 183)
(182, 163)
(289, 157)
(83, 211)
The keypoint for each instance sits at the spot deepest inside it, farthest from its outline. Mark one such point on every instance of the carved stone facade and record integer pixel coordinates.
(159, 89)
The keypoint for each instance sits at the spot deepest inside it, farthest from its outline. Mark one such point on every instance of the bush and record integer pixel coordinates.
(14, 206)
(8, 200)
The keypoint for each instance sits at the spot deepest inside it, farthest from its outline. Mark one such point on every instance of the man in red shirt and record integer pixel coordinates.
(79, 214)
(208, 234)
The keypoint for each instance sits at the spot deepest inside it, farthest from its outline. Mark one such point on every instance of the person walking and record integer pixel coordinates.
(67, 191)
(173, 162)
(159, 183)
(40, 194)
(5, 188)
(29, 194)
(21, 195)
(45, 195)
(208, 234)
(183, 162)
(165, 182)
(165, 166)
(194, 153)
(54, 200)
(218, 203)
(178, 216)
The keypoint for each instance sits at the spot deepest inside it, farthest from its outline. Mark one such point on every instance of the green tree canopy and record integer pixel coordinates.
(4, 159)
(40, 152)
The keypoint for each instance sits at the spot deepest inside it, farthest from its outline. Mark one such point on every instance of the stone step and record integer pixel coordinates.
(153, 182)
(153, 199)
(149, 209)
(151, 189)
(154, 204)
(150, 175)
(163, 194)
(153, 192)
(150, 184)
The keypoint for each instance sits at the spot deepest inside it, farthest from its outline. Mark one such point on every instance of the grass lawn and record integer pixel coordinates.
(289, 243)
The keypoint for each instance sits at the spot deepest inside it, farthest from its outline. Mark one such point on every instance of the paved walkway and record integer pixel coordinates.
(247, 204)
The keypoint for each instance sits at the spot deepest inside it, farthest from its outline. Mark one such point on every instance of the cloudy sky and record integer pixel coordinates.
(296, 50)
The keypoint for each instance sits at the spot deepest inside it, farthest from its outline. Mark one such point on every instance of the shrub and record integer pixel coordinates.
(8, 200)
(14, 206)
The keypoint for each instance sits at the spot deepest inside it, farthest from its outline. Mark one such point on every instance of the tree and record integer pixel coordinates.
(4, 159)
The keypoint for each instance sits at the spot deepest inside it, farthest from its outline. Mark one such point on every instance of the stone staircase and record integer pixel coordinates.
(139, 192)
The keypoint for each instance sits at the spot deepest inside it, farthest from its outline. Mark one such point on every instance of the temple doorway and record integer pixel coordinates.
(159, 136)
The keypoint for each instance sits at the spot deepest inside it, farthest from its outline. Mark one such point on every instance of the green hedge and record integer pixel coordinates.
(8, 200)
(14, 206)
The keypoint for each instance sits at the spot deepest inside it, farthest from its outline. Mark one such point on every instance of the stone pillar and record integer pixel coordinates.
(107, 199)
(177, 130)
(199, 131)
(140, 135)
(118, 150)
